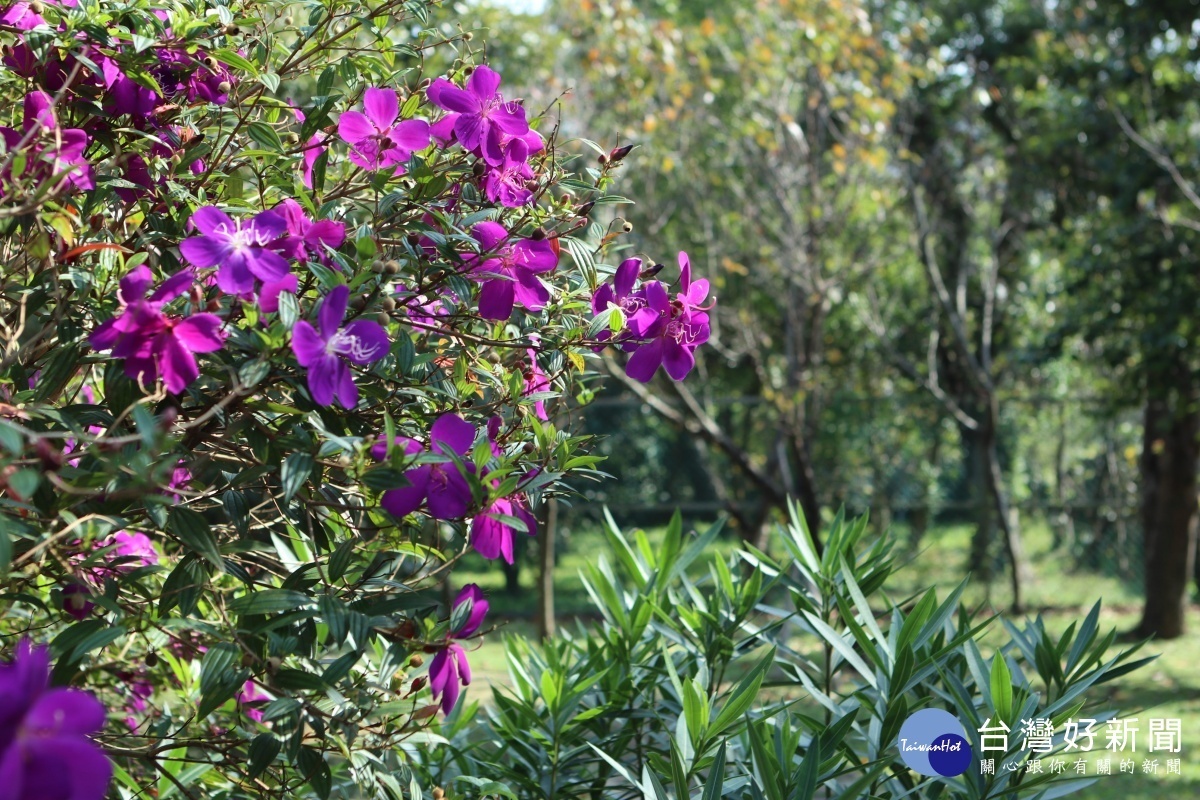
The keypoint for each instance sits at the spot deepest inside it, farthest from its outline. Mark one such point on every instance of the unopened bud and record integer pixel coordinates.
(232, 30)
(224, 87)
(438, 793)
(627, 227)
(358, 303)
(274, 663)
(585, 209)
(377, 265)
(37, 6)
(388, 304)
(603, 159)
(538, 234)
(650, 271)
(152, 660)
(416, 660)
(468, 36)
(288, 20)
(382, 318)
(212, 63)
(6, 49)
(565, 198)
(467, 70)
(391, 267)
(413, 238)
(618, 153)
(424, 84)
(477, 169)
(528, 448)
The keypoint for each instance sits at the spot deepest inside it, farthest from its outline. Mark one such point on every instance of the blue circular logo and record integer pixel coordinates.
(933, 742)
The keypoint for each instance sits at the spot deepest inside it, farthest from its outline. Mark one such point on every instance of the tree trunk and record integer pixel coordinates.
(1168, 467)
(546, 619)
(980, 562)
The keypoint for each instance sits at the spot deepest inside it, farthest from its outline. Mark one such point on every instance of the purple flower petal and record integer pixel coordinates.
(645, 361)
(210, 219)
(324, 378)
(444, 94)
(177, 362)
(449, 495)
(411, 135)
(496, 299)
(451, 433)
(381, 106)
(200, 333)
(308, 346)
(367, 341)
(354, 127)
(333, 310)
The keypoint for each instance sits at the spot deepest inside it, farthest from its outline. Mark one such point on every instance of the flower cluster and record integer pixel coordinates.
(441, 488)
(658, 330)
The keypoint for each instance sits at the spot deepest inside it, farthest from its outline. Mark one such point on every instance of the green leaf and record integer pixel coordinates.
(194, 532)
(1002, 688)
(269, 601)
(263, 751)
(294, 473)
(265, 136)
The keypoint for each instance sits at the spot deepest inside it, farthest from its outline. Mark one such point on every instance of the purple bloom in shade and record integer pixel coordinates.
(77, 600)
(306, 237)
(240, 250)
(509, 184)
(152, 343)
(324, 354)
(208, 83)
(536, 381)
(312, 151)
(376, 140)
(45, 752)
(124, 95)
(66, 145)
(140, 691)
(181, 476)
(492, 536)
(448, 671)
(510, 273)
(479, 609)
(439, 486)
(249, 698)
(268, 297)
(132, 550)
(482, 115)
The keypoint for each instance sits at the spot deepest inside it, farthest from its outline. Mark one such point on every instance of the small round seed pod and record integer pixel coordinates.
(391, 267)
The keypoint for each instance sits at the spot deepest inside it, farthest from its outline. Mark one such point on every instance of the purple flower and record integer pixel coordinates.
(132, 550)
(125, 95)
(491, 531)
(439, 486)
(249, 698)
(240, 250)
(325, 354)
(152, 343)
(306, 237)
(64, 146)
(207, 82)
(268, 296)
(45, 752)
(77, 600)
(672, 330)
(376, 140)
(312, 151)
(536, 381)
(509, 184)
(482, 116)
(447, 672)
(479, 607)
(510, 273)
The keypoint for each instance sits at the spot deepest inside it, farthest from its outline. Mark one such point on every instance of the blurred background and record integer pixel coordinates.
(954, 246)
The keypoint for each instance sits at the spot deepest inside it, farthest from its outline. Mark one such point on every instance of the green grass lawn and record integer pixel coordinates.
(1167, 688)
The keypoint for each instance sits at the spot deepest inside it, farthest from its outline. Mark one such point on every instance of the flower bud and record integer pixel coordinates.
(424, 84)
(389, 304)
(152, 659)
(650, 271)
(391, 267)
(37, 7)
(585, 209)
(538, 234)
(603, 159)
(467, 70)
(288, 21)
(232, 30)
(438, 793)
(627, 227)
(528, 448)
(565, 198)
(618, 153)
(383, 318)
(212, 63)
(413, 238)
(358, 303)
(416, 660)
(6, 49)
(477, 169)
(224, 86)
(274, 663)
(468, 36)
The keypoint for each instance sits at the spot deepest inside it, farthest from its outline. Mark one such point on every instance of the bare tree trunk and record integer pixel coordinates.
(547, 624)
(1168, 467)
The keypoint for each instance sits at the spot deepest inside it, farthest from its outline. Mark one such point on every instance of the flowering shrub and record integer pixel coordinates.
(291, 293)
